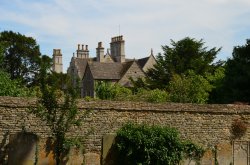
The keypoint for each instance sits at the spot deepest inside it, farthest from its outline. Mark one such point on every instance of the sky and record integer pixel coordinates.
(144, 24)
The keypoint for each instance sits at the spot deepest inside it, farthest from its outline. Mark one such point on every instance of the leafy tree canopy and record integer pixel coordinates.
(189, 88)
(237, 75)
(13, 88)
(182, 56)
(21, 56)
(1, 56)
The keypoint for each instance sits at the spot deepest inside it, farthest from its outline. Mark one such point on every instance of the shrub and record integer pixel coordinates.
(143, 144)
(107, 90)
(153, 96)
(157, 96)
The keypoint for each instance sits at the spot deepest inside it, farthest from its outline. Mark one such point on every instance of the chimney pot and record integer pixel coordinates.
(86, 47)
(99, 44)
(82, 47)
(78, 46)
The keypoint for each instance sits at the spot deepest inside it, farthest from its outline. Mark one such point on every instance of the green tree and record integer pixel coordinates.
(237, 75)
(45, 62)
(189, 88)
(59, 115)
(21, 56)
(13, 88)
(1, 56)
(216, 80)
(182, 56)
(143, 144)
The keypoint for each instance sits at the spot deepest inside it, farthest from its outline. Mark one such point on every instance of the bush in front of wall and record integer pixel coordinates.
(143, 144)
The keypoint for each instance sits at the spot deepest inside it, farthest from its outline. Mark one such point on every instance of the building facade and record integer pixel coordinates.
(112, 66)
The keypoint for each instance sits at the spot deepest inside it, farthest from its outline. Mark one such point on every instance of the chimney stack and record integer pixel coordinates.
(117, 46)
(100, 52)
(57, 61)
(82, 52)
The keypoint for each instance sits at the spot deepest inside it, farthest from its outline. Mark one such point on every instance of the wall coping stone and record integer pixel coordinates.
(22, 102)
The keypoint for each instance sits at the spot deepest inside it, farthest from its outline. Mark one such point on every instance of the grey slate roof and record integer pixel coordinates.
(106, 71)
(142, 61)
(81, 65)
(109, 71)
(126, 66)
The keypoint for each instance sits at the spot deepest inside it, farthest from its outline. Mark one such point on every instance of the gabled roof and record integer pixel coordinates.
(147, 62)
(105, 71)
(81, 64)
(126, 66)
(142, 61)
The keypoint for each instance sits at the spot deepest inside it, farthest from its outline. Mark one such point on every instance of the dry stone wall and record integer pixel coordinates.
(207, 125)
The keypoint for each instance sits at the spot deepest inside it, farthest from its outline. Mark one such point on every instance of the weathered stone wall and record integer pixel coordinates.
(207, 125)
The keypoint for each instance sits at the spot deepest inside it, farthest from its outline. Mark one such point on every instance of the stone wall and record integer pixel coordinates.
(207, 125)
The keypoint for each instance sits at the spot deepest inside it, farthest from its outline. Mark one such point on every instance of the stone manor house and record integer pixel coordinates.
(111, 66)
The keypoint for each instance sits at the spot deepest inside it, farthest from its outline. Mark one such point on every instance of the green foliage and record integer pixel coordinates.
(13, 88)
(45, 64)
(106, 90)
(88, 98)
(190, 88)
(237, 75)
(138, 84)
(21, 56)
(1, 55)
(215, 154)
(60, 115)
(143, 144)
(157, 96)
(76, 142)
(216, 80)
(186, 54)
(193, 151)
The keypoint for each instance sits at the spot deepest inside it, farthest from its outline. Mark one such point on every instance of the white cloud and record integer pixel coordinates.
(145, 24)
